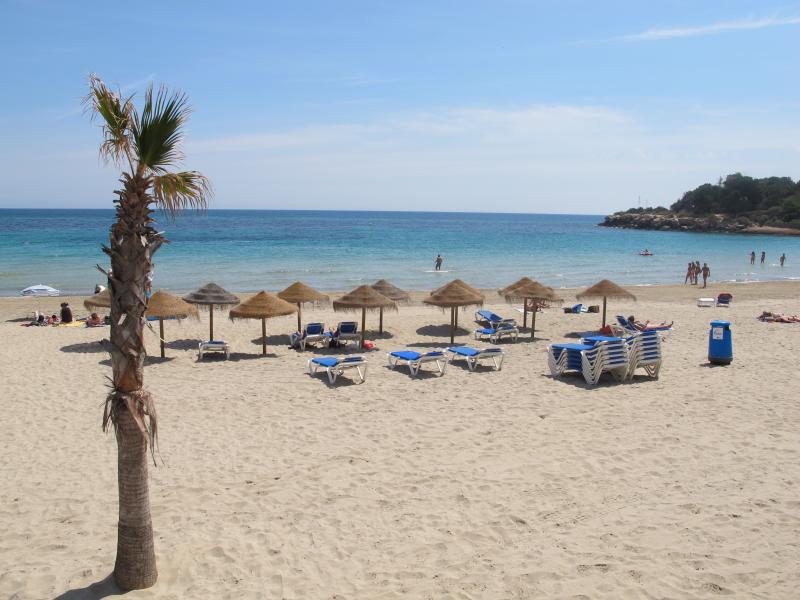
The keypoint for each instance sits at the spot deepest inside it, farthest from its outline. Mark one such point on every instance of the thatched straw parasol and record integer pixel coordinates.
(460, 283)
(454, 295)
(528, 289)
(606, 289)
(365, 298)
(100, 300)
(392, 292)
(165, 306)
(209, 295)
(263, 306)
(299, 293)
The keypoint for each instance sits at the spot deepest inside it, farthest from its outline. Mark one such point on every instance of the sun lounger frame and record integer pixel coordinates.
(213, 346)
(496, 355)
(494, 335)
(415, 364)
(338, 367)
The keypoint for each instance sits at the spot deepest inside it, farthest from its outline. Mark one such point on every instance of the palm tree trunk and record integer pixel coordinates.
(133, 243)
(135, 567)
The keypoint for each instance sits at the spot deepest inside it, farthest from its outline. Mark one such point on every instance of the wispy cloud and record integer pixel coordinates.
(666, 33)
(137, 84)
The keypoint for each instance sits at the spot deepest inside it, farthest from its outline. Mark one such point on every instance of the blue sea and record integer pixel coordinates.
(250, 250)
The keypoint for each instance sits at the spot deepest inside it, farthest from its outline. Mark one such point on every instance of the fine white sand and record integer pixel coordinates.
(491, 484)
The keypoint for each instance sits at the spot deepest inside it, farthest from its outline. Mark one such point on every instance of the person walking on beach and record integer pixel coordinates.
(753, 257)
(438, 262)
(763, 256)
(689, 273)
(706, 272)
(783, 258)
(697, 270)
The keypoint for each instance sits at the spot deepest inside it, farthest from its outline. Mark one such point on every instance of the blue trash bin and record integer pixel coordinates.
(720, 343)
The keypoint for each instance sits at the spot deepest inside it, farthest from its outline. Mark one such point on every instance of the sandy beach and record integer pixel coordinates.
(510, 484)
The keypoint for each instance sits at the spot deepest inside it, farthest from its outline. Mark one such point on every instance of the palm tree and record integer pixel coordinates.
(145, 144)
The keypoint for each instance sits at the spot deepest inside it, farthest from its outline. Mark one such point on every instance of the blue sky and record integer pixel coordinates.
(510, 106)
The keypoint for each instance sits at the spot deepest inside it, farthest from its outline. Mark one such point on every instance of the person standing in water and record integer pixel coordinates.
(783, 258)
(689, 273)
(706, 272)
(438, 262)
(753, 257)
(763, 256)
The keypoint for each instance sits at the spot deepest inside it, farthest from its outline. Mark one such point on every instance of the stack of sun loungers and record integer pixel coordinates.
(620, 357)
(595, 356)
(644, 351)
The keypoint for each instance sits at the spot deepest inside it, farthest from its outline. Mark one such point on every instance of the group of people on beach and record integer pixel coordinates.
(694, 271)
(782, 258)
(66, 317)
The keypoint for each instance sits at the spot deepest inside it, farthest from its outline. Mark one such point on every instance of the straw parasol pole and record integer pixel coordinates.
(99, 300)
(209, 295)
(454, 295)
(365, 298)
(263, 306)
(164, 306)
(390, 291)
(528, 289)
(299, 293)
(606, 289)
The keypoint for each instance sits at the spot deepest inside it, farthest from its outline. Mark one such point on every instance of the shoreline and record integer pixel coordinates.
(643, 292)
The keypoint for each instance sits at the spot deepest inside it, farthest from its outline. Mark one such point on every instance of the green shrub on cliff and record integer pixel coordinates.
(766, 200)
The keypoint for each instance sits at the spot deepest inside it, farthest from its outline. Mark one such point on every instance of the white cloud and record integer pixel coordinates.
(542, 158)
(666, 33)
(539, 158)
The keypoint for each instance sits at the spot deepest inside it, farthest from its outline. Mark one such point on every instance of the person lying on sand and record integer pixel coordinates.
(94, 320)
(769, 317)
(645, 326)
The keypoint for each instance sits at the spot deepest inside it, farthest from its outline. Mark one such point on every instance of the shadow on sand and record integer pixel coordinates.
(441, 331)
(183, 344)
(99, 589)
(279, 339)
(87, 347)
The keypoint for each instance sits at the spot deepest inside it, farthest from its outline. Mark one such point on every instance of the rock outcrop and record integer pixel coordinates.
(667, 221)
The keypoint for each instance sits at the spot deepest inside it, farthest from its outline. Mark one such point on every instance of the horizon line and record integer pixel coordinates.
(435, 212)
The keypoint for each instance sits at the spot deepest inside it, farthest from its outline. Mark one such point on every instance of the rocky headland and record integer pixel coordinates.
(669, 221)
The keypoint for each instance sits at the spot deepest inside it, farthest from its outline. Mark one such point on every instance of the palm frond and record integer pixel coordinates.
(117, 114)
(158, 131)
(175, 192)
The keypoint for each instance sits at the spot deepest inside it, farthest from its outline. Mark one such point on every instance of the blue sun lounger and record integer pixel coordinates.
(630, 329)
(496, 334)
(313, 333)
(204, 348)
(473, 355)
(492, 320)
(414, 360)
(335, 366)
(347, 331)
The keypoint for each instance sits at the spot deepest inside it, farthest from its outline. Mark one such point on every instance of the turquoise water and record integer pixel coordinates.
(333, 250)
